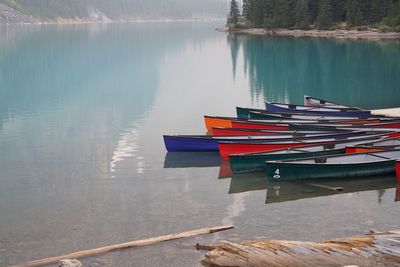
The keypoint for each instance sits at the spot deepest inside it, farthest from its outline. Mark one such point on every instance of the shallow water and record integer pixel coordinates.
(82, 162)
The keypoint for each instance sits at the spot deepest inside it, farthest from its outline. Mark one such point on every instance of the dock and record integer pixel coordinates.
(392, 112)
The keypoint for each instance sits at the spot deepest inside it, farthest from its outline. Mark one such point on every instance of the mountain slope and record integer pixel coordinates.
(118, 9)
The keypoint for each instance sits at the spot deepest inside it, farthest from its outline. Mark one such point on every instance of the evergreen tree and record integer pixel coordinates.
(325, 16)
(301, 15)
(393, 15)
(284, 13)
(377, 11)
(268, 10)
(339, 10)
(313, 9)
(258, 12)
(246, 10)
(354, 14)
(233, 19)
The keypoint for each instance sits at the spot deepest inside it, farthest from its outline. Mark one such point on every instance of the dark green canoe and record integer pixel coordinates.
(347, 166)
(244, 113)
(255, 162)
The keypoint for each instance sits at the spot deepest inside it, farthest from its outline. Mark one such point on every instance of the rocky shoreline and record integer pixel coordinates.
(10, 15)
(339, 34)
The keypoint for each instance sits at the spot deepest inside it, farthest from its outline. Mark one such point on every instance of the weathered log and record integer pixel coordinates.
(373, 249)
(132, 244)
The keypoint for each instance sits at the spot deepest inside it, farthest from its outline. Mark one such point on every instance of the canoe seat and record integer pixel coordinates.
(329, 146)
(320, 160)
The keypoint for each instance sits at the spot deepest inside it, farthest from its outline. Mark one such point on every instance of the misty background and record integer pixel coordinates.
(121, 9)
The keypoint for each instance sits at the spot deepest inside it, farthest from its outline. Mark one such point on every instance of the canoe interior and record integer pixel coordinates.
(313, 101)
(299, 107)
(300, 117)
(353, 158)
(256, 162)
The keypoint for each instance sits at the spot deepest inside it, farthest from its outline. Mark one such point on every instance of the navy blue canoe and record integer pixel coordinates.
(280, 107)
(194, 143)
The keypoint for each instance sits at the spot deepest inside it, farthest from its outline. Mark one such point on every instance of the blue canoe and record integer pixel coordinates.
(198, 143)
(280, 107)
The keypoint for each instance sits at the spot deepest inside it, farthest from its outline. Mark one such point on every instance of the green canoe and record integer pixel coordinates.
(354, 165)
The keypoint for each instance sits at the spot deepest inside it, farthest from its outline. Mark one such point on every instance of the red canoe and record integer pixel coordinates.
(229, 148)
(218, 131)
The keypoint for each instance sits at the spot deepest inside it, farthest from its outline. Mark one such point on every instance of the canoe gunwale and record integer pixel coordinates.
(326, 102)
(293, 162)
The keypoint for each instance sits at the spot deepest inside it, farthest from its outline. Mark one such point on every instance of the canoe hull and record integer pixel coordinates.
(274, 108)
(281, 171)
(227, 148)
(398, 171)
(256, 162)
(211, 122)
(187, 144)
(233, 132)
(249, 125)
(336, 120)
(246, 132)
(310, 101)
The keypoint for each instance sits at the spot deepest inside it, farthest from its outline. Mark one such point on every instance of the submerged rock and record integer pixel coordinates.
(70, 263)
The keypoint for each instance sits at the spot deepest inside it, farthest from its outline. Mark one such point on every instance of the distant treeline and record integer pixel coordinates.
(321, 14)
(117, 9)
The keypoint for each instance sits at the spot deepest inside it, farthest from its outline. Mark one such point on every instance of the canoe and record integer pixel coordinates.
(244, 113)
(232, 122)
(296, 126)
(313, 127)
(280, 107)
(217, 131)
(212, 121)
(390, 143)
(347, 166)
(227, 148)
(227, 122)
(261, 125)
(283, 124)
(310, 101)
(255, 162)
(320, 118)
(194, 143)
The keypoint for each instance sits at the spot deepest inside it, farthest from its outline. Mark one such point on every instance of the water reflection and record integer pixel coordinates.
(290, 191)
(191, 159)
(355, 72)
(277, 192)
(81, 104)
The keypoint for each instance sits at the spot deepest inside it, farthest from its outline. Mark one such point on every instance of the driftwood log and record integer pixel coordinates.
(373, 249)
(131, 244)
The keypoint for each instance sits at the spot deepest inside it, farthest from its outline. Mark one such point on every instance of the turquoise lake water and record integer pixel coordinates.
(82, 161)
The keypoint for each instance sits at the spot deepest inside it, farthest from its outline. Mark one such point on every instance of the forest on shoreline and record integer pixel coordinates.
(316, 14)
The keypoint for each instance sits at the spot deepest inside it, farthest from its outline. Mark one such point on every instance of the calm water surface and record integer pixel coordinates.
(82, 162)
